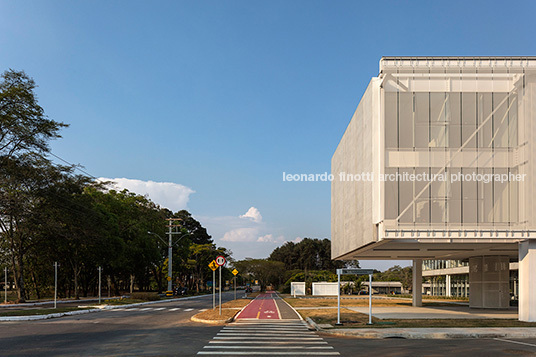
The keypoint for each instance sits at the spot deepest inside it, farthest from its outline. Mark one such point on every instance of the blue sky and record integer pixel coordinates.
(221, 97)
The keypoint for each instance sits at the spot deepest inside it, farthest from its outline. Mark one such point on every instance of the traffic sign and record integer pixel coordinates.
(168, 278)
(220, 260)
(234, 272)
(213, 265)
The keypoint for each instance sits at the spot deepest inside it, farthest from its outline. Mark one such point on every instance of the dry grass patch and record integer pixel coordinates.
(229, 310)
(214, 315)
(354, 302)
(320, 302)
(358, 320)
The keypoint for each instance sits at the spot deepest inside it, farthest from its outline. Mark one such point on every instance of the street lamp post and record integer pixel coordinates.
(170, 255)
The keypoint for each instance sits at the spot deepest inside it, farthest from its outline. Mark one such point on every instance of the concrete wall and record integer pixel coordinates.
(489, 278)
(325, 289)
(297, 288)
(354, 206)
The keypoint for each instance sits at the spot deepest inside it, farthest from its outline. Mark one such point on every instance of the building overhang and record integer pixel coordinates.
(435, 248)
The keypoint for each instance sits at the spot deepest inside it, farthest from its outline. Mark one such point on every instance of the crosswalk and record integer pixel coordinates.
(268, 338)
(147, 309)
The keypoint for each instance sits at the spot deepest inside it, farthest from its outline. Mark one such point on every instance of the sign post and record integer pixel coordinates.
(220, 260)
(213, 266)
(234, 273)
(353, 272)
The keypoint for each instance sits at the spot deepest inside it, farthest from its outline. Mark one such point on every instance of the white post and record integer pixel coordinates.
(100, 271)
(5, 285)
(213, 289)
(220, 289)
(370, 301)
(338, 298)
(55, 283)
(235, 287)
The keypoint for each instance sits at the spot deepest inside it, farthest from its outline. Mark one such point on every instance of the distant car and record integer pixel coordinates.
(363, 292)
(249, 290)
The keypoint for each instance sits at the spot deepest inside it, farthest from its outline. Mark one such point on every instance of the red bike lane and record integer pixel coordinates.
(263, 307)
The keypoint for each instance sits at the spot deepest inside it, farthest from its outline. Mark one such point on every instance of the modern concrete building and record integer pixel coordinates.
(439, 162)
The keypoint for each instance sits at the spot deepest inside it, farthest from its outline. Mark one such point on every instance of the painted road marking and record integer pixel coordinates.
(160, 308)
(188, 309)
(175, 309)
(146, 308)
(276, 338)
(203, 310)
(518, 342)
(278, 353)
(274, 347)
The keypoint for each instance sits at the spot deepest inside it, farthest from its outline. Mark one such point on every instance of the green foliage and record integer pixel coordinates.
(268, 272)
(308, 254)
(396, 273)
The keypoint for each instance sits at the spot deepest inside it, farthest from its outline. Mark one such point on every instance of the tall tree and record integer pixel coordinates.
(23, 125)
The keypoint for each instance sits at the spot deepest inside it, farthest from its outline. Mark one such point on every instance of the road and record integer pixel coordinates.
(166, 330)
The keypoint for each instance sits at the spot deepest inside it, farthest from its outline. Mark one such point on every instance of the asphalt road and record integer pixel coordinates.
(166, 330)
(142, 332)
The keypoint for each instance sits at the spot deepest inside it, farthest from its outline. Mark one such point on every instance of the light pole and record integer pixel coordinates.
(170, 255)
(100, 271)
(55, 283)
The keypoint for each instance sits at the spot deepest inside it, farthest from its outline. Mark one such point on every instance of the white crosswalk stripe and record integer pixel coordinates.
(162, 309)
(279, 338)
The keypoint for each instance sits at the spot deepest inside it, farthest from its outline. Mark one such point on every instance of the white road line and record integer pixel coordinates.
(278, 353)
(146, 309)
(518, 342)
(273, 342)
(133, 309)
(159, 308)
(203, 310)
(268, 338)
(120, 309)
(265, 334)
(175, 309)
(188, 309)
(273, 347)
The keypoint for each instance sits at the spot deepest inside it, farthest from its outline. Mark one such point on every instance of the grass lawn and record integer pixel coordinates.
(29, 312)
(352, 319)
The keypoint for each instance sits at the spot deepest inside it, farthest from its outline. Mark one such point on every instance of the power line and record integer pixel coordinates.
(77, 167)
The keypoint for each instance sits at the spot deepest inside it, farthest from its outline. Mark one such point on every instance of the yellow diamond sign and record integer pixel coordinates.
(213, 265)
(234, 272)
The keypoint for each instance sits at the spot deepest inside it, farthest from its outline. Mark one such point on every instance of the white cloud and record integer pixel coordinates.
(171, 195)
(253, 214)
(241, 235)
(269, 238)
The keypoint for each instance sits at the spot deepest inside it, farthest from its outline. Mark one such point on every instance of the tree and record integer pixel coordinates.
(268, 272)
(309, 254)
(23, 125)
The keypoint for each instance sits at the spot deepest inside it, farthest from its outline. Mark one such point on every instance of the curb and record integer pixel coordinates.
(79, 312)
(438, 333)
(212, 322)
(313, 324)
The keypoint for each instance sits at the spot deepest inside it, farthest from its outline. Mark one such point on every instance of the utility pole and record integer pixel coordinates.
(170, 244)
(100, 271)
(55, 283)
(220, 289)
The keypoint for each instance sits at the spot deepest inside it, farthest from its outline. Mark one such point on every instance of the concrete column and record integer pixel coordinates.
(527, 281)
(417, 282)
(448, 291)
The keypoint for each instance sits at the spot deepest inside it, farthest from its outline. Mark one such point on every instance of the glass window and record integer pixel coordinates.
(439, 107)
(438, 136)
(405, 125)
(391, 121)
(422, 107)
